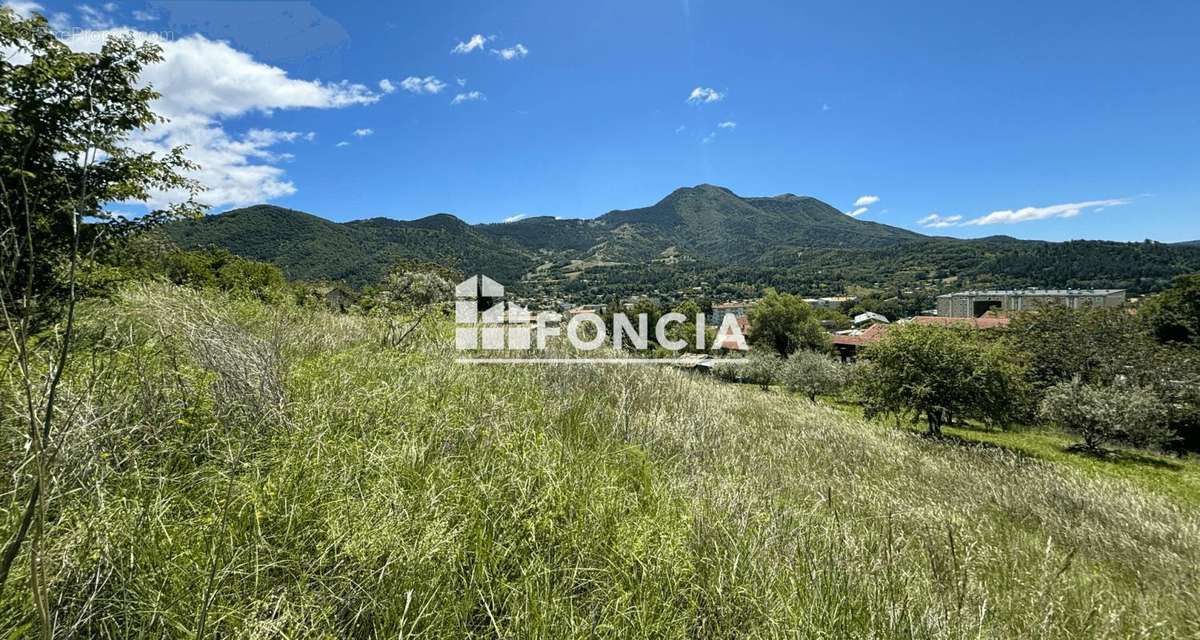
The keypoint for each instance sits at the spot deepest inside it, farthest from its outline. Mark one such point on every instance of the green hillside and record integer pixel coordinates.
(702, 233)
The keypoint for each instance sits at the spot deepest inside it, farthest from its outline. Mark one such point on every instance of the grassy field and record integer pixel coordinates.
(268, 473)
(1169, 475)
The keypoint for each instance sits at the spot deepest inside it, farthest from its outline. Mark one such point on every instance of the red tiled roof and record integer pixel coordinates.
(871, 335)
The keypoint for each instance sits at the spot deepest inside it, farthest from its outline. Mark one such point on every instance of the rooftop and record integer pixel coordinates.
(1034, 292)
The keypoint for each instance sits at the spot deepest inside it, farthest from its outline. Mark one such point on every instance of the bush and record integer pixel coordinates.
(1106, 414)
(812, 374)
(762, 369)
(942, 374)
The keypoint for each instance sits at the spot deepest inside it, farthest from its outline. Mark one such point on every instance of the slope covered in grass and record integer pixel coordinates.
(270, 473)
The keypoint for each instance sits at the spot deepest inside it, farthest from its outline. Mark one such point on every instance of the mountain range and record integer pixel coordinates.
(695, 234)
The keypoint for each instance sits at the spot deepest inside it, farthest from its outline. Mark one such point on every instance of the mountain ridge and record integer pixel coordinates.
(700, 233)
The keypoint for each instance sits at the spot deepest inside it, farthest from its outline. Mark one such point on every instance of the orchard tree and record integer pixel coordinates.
(813, 374)
(785, 323)
(1173, 316)
(1096, 344)
(1103, 414)
(762, 369)
(65, 121)
(941, 374)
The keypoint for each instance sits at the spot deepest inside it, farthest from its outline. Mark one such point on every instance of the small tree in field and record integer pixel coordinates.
(812, 374)
(941, 374)
(761, 369)
(785, 323)
(1106, 414)
(65, 120)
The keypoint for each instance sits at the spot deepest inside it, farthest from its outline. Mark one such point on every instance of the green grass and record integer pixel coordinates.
(298, 478)
(1178, 478)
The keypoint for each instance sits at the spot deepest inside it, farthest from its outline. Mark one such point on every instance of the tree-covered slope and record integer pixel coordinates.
(360, 252)
(702, 233)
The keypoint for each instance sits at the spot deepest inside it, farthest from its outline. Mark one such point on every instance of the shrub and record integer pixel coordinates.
(759, 368)
(812, 374)
(942, 374)
(1106, 414)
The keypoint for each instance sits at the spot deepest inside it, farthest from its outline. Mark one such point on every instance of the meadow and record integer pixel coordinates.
(233, 469)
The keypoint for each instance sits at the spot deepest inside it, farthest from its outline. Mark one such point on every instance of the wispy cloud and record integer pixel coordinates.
(1027, 214)
(728, 124)
(709, 138)
(343, 143)
(22, 8)
(514, 52)
(938, 221)
(469, 96)
(857, 212)
(866, 201)
(680, 129)
(94, 18)
(473, 43)
(362, 133)
(519, 216)
(427, 85)
(704, 95)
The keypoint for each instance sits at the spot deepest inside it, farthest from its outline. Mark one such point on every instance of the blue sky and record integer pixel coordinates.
(1074, 120)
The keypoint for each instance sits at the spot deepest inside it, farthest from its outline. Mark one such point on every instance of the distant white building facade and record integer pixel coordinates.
(976, 304)
(735, 309)
(833, 303)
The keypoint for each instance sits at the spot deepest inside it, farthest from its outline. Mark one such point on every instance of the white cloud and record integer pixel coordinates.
(426, 85)
(386, 86)
(343, 143)
(23, 8)
(462, 82)
(199, 99)
(704, 95)
(474, 42)
(362, 133)
(519, 216)
(938, 221)
(857, 212)
(1026, 214)
(143, 16)
(866, 201)
(470, 96)
(709, 138)
(93, 18)
(514, 52)
(728, 124)
(680, 129)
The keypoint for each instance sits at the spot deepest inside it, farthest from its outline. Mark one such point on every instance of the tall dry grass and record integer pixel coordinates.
(274, 473)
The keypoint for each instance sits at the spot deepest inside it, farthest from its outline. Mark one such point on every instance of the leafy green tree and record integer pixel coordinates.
(65, 119)
(942, 374)
(785, 323)
(1173, 316)
(1103, 414)
(813, 374)
(1096, 344)
(761, 369)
